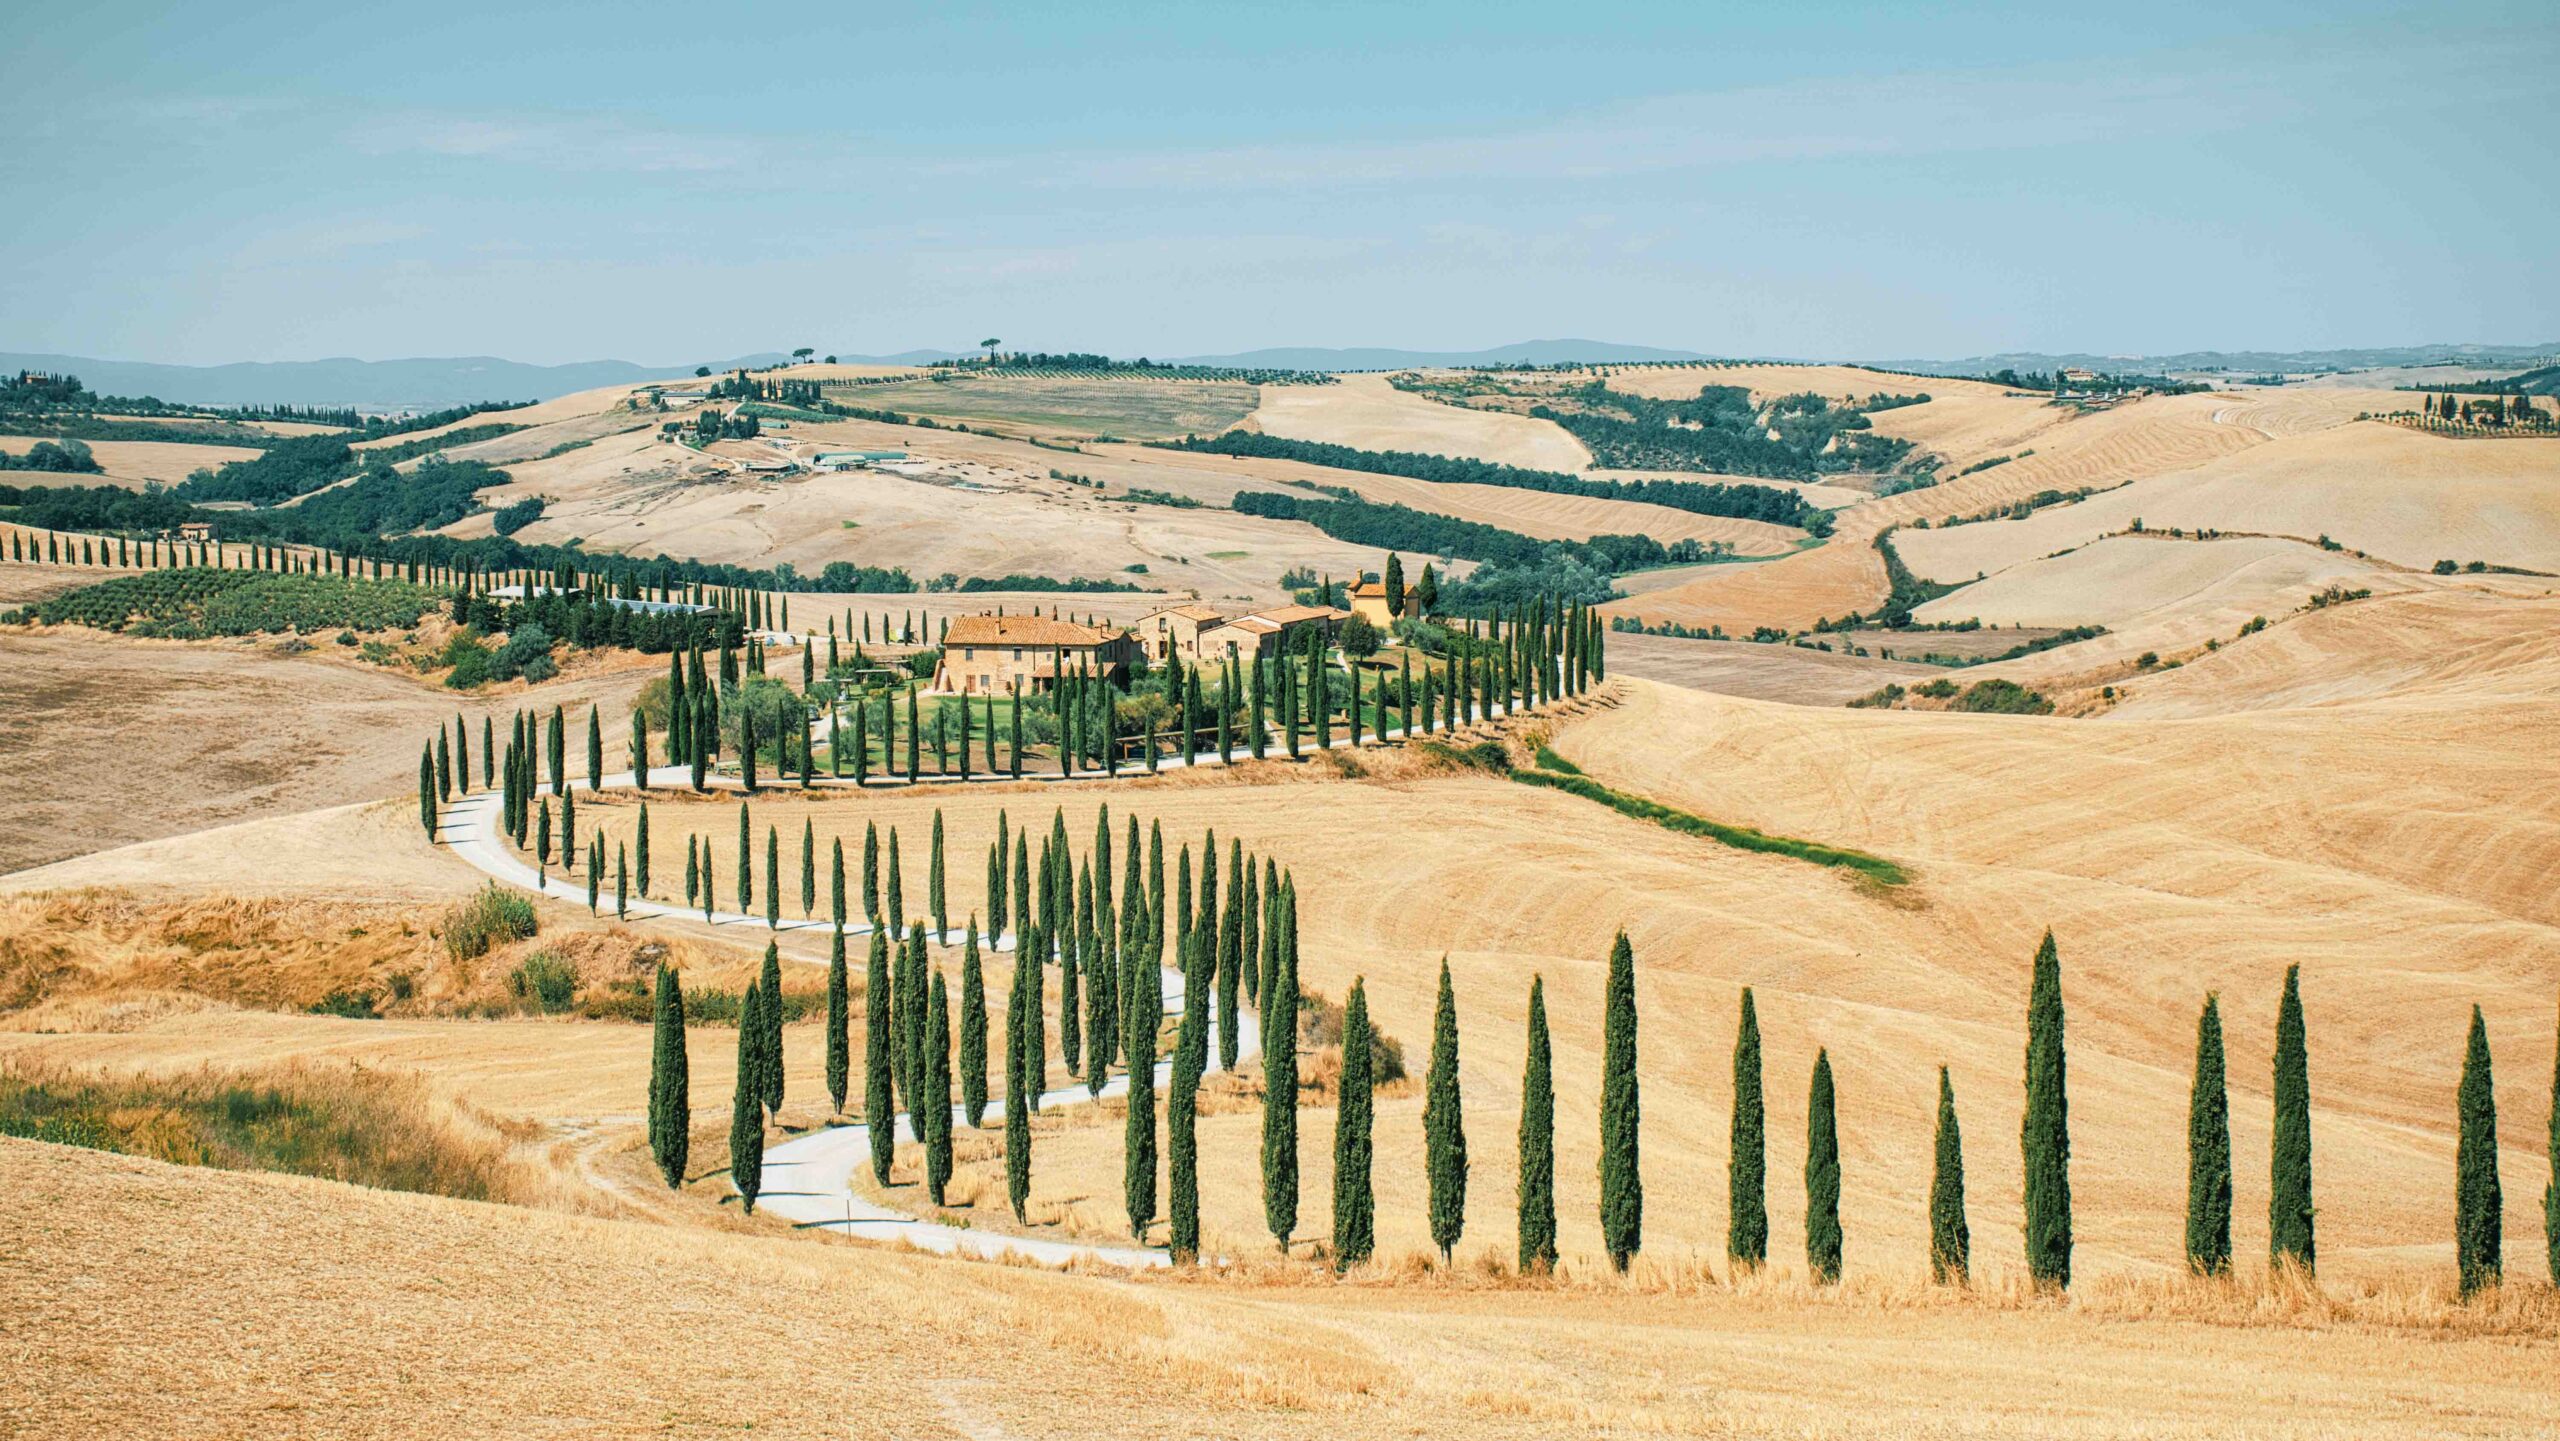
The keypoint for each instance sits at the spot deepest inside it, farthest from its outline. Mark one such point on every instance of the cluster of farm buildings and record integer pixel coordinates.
(993, 654)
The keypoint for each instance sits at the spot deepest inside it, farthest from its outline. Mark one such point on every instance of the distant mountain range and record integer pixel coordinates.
(434, 383)
(2242, 362)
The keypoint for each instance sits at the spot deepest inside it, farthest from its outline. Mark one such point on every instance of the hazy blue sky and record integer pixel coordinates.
(201, 183)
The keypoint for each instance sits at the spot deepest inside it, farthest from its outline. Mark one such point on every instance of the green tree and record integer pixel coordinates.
(2290, 1233)
(2551, 1189)
(1621, 1170)
(1280, 1072)
(1182, 1101)
(933, 884)
(933, 1119)
(772, 878)
(746, 1107)
(808, 868)
(1538, 1141)
(879, 1107)
(771, 980)
(2479, 1212)
(835, 884)
(1822, 1177)
(1355, 1206)
(595, 749)
(1145, 1011)
(1950, 1239)
(871, 873)
(973, 1030)
(1017, 1108)
(670, 1080)
(1395, 584)
(1444, 1131)
(2209, 1151)
(1746, 1242)
(839, 1024)
(2045, 1136)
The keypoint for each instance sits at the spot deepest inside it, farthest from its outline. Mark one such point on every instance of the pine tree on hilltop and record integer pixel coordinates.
(1444, 1129)
(1746, 1242)
(2045, 1135)
(2290, 1233)
(933, 1119)
(1355, 1206)
(1950, 1239)
(2209, 1151)
(839, 1025)
(1621, 1171)
(1538, 1141)
(2479, 1211)
(670, 1080)
(879, 1107)
(973, 1030)
(746, 1107)
(1822, 1177)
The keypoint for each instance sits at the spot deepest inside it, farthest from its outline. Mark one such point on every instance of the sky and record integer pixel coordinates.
(664, 184)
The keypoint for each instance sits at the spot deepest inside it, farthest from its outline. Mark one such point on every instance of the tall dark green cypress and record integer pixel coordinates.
(1280, 1074)
(839, 1024)
(879, 1105)
(933, 1119)
(808, 868)
(1355, 1204)
(1182, 1104)
(2209, 1151)
(1621, 1114)
(871, 873)
(1145, 1012)
(2551, 1188)
(2045, 1135)
(1822, 1176)
(772, 878)
(670, 1081)
(746, 1106)
(771, 1071)
(933, 889)
(1746, 1228)
(1950, 1239)
(2290, 1231)
(2479, 1211)
(1017, 1108)
(1232, 960)
(1538, 1141)
(973, 1030)
(1444, 1129)
(893, 891)
(835, 885)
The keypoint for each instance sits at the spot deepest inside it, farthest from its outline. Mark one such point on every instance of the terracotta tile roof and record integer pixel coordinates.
(1296, 614)
(1189, 612)
(1253, 623)
(1023, 630)
(1370, 589)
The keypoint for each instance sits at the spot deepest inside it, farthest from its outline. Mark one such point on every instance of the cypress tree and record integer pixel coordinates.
(670, 1081)
(933, 885)
(443, 767)
(1145, 1011)
(692, 871)
(2045, 1136)
(640, 849)
(1746, 1236)
(1621, 1173)
(771, 981)
(1280, 1074)
(746, 863)
(1354, 1205)
(879, 1108)
(934, 1119)
(1182, 1105)
(1950, 1239)
(2479, 1212)
(427, 793)
(1231, 955)
(871, 873)
(595, 749)
(772, 878)
(621, 878)
(2289, 1211)
(1538, 1141)
(1444, 1132)
(973, 1030)
(1822, 1177)
(839, 1024)
(1017, 1108)
(893, 891)
(835, 884)
(639, 751)
(746, 1107)
(2209, 1151)
(808, 868)
(2551, 1189)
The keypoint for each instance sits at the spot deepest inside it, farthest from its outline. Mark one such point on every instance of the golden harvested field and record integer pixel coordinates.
(2131, 581)
(213, 732)
(1837, 382)
(684, 1332)
(129, 463)
(1055, 406)
(2409, 498)
(1365, 412)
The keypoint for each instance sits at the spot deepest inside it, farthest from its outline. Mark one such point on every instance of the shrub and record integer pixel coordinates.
(348, 1005)
(1940, 689)
(546, 980)
(1881, 698)
(2002, 697)
(493, 916)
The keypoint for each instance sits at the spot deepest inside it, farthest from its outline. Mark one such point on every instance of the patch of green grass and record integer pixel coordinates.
(1229, 554)
(1572, 782)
